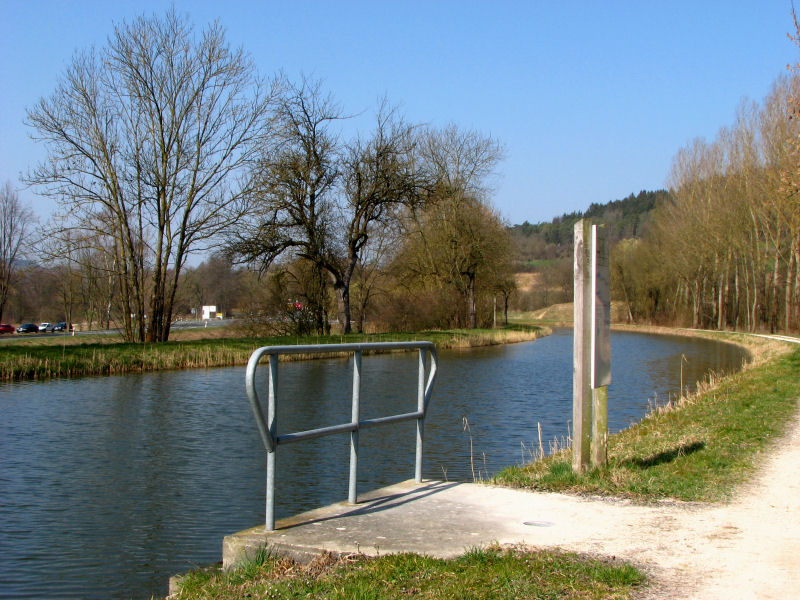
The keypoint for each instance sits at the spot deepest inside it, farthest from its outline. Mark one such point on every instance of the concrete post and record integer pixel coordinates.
(599, 427)
(581, 369)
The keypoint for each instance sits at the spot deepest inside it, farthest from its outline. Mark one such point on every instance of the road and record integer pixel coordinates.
(176, 325)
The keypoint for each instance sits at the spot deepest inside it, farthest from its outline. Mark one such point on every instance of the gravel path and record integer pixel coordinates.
(749, 548)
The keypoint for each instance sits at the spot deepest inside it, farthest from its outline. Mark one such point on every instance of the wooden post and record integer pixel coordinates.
(599, 426)
(600, 345)
(581, 365)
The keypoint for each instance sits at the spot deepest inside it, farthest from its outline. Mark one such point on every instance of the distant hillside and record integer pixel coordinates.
(624, 218)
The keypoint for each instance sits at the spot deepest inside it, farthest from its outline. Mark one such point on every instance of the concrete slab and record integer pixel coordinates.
(437, 518)
(745, 549)
(749, 548)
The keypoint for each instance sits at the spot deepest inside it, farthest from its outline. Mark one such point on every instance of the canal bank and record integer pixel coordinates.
(68, 357)
(747, 547)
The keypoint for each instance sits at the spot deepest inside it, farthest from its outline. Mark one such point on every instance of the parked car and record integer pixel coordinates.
(28, 328)
(6, 328)
(43, 326)
(62, 326)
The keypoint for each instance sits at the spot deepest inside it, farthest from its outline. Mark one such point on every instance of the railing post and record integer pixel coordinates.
(420, 420)
(352, 496)
(273, 431)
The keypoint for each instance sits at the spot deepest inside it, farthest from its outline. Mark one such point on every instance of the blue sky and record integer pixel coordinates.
(591, 99)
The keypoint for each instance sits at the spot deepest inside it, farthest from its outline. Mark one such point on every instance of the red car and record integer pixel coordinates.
(6, 328)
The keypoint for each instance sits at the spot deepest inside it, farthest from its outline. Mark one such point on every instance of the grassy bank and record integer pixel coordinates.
(697, 448)
(489, 573)
(97, 355)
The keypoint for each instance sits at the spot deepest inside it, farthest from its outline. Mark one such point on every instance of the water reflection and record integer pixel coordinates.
(110, 485)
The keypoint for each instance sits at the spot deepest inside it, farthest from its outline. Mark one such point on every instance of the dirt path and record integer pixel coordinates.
(749, 548)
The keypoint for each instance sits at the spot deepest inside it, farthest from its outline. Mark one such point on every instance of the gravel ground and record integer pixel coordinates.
(749, 548)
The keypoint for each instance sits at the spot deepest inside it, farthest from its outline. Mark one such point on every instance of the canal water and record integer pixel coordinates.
(109, 485)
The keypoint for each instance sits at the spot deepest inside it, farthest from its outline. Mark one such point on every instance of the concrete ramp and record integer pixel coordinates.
(436, 518)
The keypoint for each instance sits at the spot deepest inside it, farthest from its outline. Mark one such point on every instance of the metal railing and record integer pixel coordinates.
(267, 425)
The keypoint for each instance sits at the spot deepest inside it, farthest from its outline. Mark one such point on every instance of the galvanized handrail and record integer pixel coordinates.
(267, 425)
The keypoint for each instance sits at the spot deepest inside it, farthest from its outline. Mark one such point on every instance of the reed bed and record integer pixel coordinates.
(26, 361)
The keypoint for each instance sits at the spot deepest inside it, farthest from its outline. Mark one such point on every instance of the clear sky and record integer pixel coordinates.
(591, 99)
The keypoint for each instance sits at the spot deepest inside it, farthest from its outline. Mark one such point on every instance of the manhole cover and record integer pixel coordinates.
(539, 523)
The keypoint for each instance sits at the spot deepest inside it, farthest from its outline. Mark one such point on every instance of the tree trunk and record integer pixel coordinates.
(725, 289)
(5, 284)
(736, 299)
(343, 306)
(788, 289)
(156, 316)
(472, 311)
(797, 282)
(626, 297)
(773, 309)
(754, 307)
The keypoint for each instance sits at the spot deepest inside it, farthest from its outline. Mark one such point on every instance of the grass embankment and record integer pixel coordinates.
(488, 573)
(698, 448)
(103, 355)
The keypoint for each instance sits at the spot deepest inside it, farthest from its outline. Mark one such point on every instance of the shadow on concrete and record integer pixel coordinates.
(371, 505)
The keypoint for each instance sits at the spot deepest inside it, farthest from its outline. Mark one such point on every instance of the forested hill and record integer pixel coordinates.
(623, 218)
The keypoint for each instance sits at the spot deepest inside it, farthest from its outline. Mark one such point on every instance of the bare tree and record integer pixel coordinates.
(727, 240)
(323, 199)
(15, 220)
(149, 142)
(456, 235)
(371, 275)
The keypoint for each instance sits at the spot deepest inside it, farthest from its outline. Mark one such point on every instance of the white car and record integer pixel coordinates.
(43, 326)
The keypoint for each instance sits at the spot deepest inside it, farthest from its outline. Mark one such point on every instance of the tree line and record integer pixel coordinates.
(724, 251)
(168, 144)
(544, 250)
(165, 144)
(624, 218)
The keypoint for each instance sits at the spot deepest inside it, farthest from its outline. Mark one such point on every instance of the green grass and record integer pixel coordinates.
(487, 573)
(698, 450)
(29, 360)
